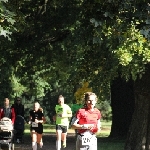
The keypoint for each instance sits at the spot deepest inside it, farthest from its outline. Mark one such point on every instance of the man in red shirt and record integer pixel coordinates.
(7, 111)
(87, 121)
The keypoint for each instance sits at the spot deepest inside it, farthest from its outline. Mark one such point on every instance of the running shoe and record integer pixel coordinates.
(41, 145)
(64, 144)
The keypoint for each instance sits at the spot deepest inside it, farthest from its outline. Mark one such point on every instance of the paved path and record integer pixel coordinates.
(49, 142)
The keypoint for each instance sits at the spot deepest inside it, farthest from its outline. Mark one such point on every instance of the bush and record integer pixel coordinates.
(105, 108)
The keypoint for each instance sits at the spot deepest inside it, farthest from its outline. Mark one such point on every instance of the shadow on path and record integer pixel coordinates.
(49, 140)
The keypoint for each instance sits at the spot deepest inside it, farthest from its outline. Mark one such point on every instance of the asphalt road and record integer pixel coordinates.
(49, 142)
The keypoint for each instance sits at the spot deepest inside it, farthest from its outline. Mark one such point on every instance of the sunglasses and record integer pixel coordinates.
(18, 100)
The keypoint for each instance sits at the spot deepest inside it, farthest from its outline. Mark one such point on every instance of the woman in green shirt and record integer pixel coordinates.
(63, 112)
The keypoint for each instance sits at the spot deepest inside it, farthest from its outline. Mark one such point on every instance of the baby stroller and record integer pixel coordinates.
(19, 128)
(6, 134)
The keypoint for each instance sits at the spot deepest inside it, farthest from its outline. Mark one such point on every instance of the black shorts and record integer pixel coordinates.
(38, 129)
(62, 128)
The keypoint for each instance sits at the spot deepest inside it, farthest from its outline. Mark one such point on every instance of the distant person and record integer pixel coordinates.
(19, 119)
(87, 122)
(63, 112)
(19, 107)
(36, 120)
(7, 111)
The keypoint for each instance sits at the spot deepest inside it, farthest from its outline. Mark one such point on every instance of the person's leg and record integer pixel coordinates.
(93, 144)
(79, 145)
(34, 140)
(64, 135)
(58, 136)
(41, 143)
(39, 140)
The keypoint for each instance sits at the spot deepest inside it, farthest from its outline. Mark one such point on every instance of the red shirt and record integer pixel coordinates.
(12, 114)
(86, 116)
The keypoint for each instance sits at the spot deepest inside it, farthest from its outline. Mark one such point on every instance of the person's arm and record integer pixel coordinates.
(22, 111)
(99, 125)
(68, 114)
(43, 120)
(13, 115)
(75, 125)
(30, 118)
(1, 113)
(99, 122)
(75, 122)
(54, 118)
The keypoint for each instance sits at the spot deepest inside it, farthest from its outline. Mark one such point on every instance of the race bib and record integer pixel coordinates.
(89, 141)
(34, 124)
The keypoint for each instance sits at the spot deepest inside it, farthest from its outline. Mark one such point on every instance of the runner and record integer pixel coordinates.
(37, 119)
(63, 111)
(87, 122)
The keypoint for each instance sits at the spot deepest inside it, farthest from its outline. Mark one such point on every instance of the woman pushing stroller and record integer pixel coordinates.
(7, 111)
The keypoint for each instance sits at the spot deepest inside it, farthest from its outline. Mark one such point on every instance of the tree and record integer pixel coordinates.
(122, 103)
(138, 135)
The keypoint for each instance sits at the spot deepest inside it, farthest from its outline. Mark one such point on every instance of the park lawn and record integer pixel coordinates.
(116, 145)
(48, 128)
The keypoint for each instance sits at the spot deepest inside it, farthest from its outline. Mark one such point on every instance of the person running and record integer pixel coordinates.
(87, 122)
(63, 112)
(36, 120)
(7, 111)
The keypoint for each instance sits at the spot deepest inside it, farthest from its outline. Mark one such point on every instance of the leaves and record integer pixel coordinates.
(57, 45)
(7, 19)
(80, 92)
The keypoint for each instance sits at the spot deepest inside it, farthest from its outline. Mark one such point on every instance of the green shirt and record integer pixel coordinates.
(64, 109)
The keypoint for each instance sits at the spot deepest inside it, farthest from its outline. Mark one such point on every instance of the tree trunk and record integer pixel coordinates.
(139, 133)
(122, 103)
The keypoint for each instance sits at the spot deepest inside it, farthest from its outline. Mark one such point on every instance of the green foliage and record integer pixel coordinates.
(80, 92)
(7, 19)
(133, 50)
(17, 88)
(75, 108)
(59, 44)
(105, 109)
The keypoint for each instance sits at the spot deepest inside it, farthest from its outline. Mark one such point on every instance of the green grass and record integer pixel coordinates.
(105, 143)
(111, 145)
(47, 128)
